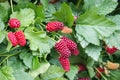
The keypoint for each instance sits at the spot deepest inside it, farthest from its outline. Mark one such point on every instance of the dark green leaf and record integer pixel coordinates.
(38, 40)
(64, 15)
(93, 51)
(103, 6)
(27, 58)
(21, 75)
(72, 73)
(40, 70)
(53, 72)
(6, 73)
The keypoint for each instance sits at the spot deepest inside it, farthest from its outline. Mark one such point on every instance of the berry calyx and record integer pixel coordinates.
(14, 23)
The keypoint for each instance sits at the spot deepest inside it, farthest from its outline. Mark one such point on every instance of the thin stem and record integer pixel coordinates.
(7, 58)
(100, 74)
(78, 3)
(11, 6)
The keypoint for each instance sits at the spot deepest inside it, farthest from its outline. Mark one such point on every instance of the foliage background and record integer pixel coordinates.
(98, 24)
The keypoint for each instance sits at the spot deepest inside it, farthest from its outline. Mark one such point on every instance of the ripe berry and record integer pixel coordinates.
(75, 52)
(70, 44)
(65, 63)
(84, 79)
(14, 23)
(102, 70)
(62, 48)
(20, 38)
(54, 26)
(81, 67)
(12, 39)
(111, 50)
(66, 30)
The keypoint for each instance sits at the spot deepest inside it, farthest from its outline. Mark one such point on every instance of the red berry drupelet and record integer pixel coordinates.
(12, 39)
(111, 50)
(20, 38)
(54, 26)
(65, 63)
(62, 48)
(14, 23)
(71, 45)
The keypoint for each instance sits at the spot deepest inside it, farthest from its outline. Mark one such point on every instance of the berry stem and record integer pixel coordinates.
(100, 74)
(7, 56)
(11, 5)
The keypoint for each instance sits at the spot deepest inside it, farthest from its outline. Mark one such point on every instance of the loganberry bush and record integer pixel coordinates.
(59, 39)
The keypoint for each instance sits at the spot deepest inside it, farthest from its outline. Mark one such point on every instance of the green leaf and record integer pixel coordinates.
(26, 16)
(114, 75)
(91, 71)
(2, 25)
(53, 72)
(38, 40)
(16, 64)
(21, 75)
(35, 63)
(2, 36)
(88, 33)
(103, 6)
(72, 73)
(113, 40)
(116, 19)
(44, 2)
(6, 73)
(4, 7)
(59, 78)
(64, 15)
(93, 27)
(27, 58)
(93, 51)
(82, 41)
(42, 69)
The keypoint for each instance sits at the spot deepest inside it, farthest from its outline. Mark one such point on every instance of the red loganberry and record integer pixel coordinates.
(54, 26)
(70, 44)
(14, 23)
(75, 52)
(111, 50)
(12, 39)
(65, 63)
(81, 67)
(62, 48)
(102, 70)
(20, 38)
(84, 79)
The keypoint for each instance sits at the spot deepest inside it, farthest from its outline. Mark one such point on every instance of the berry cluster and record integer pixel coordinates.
(18, 37)
(66, 47)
